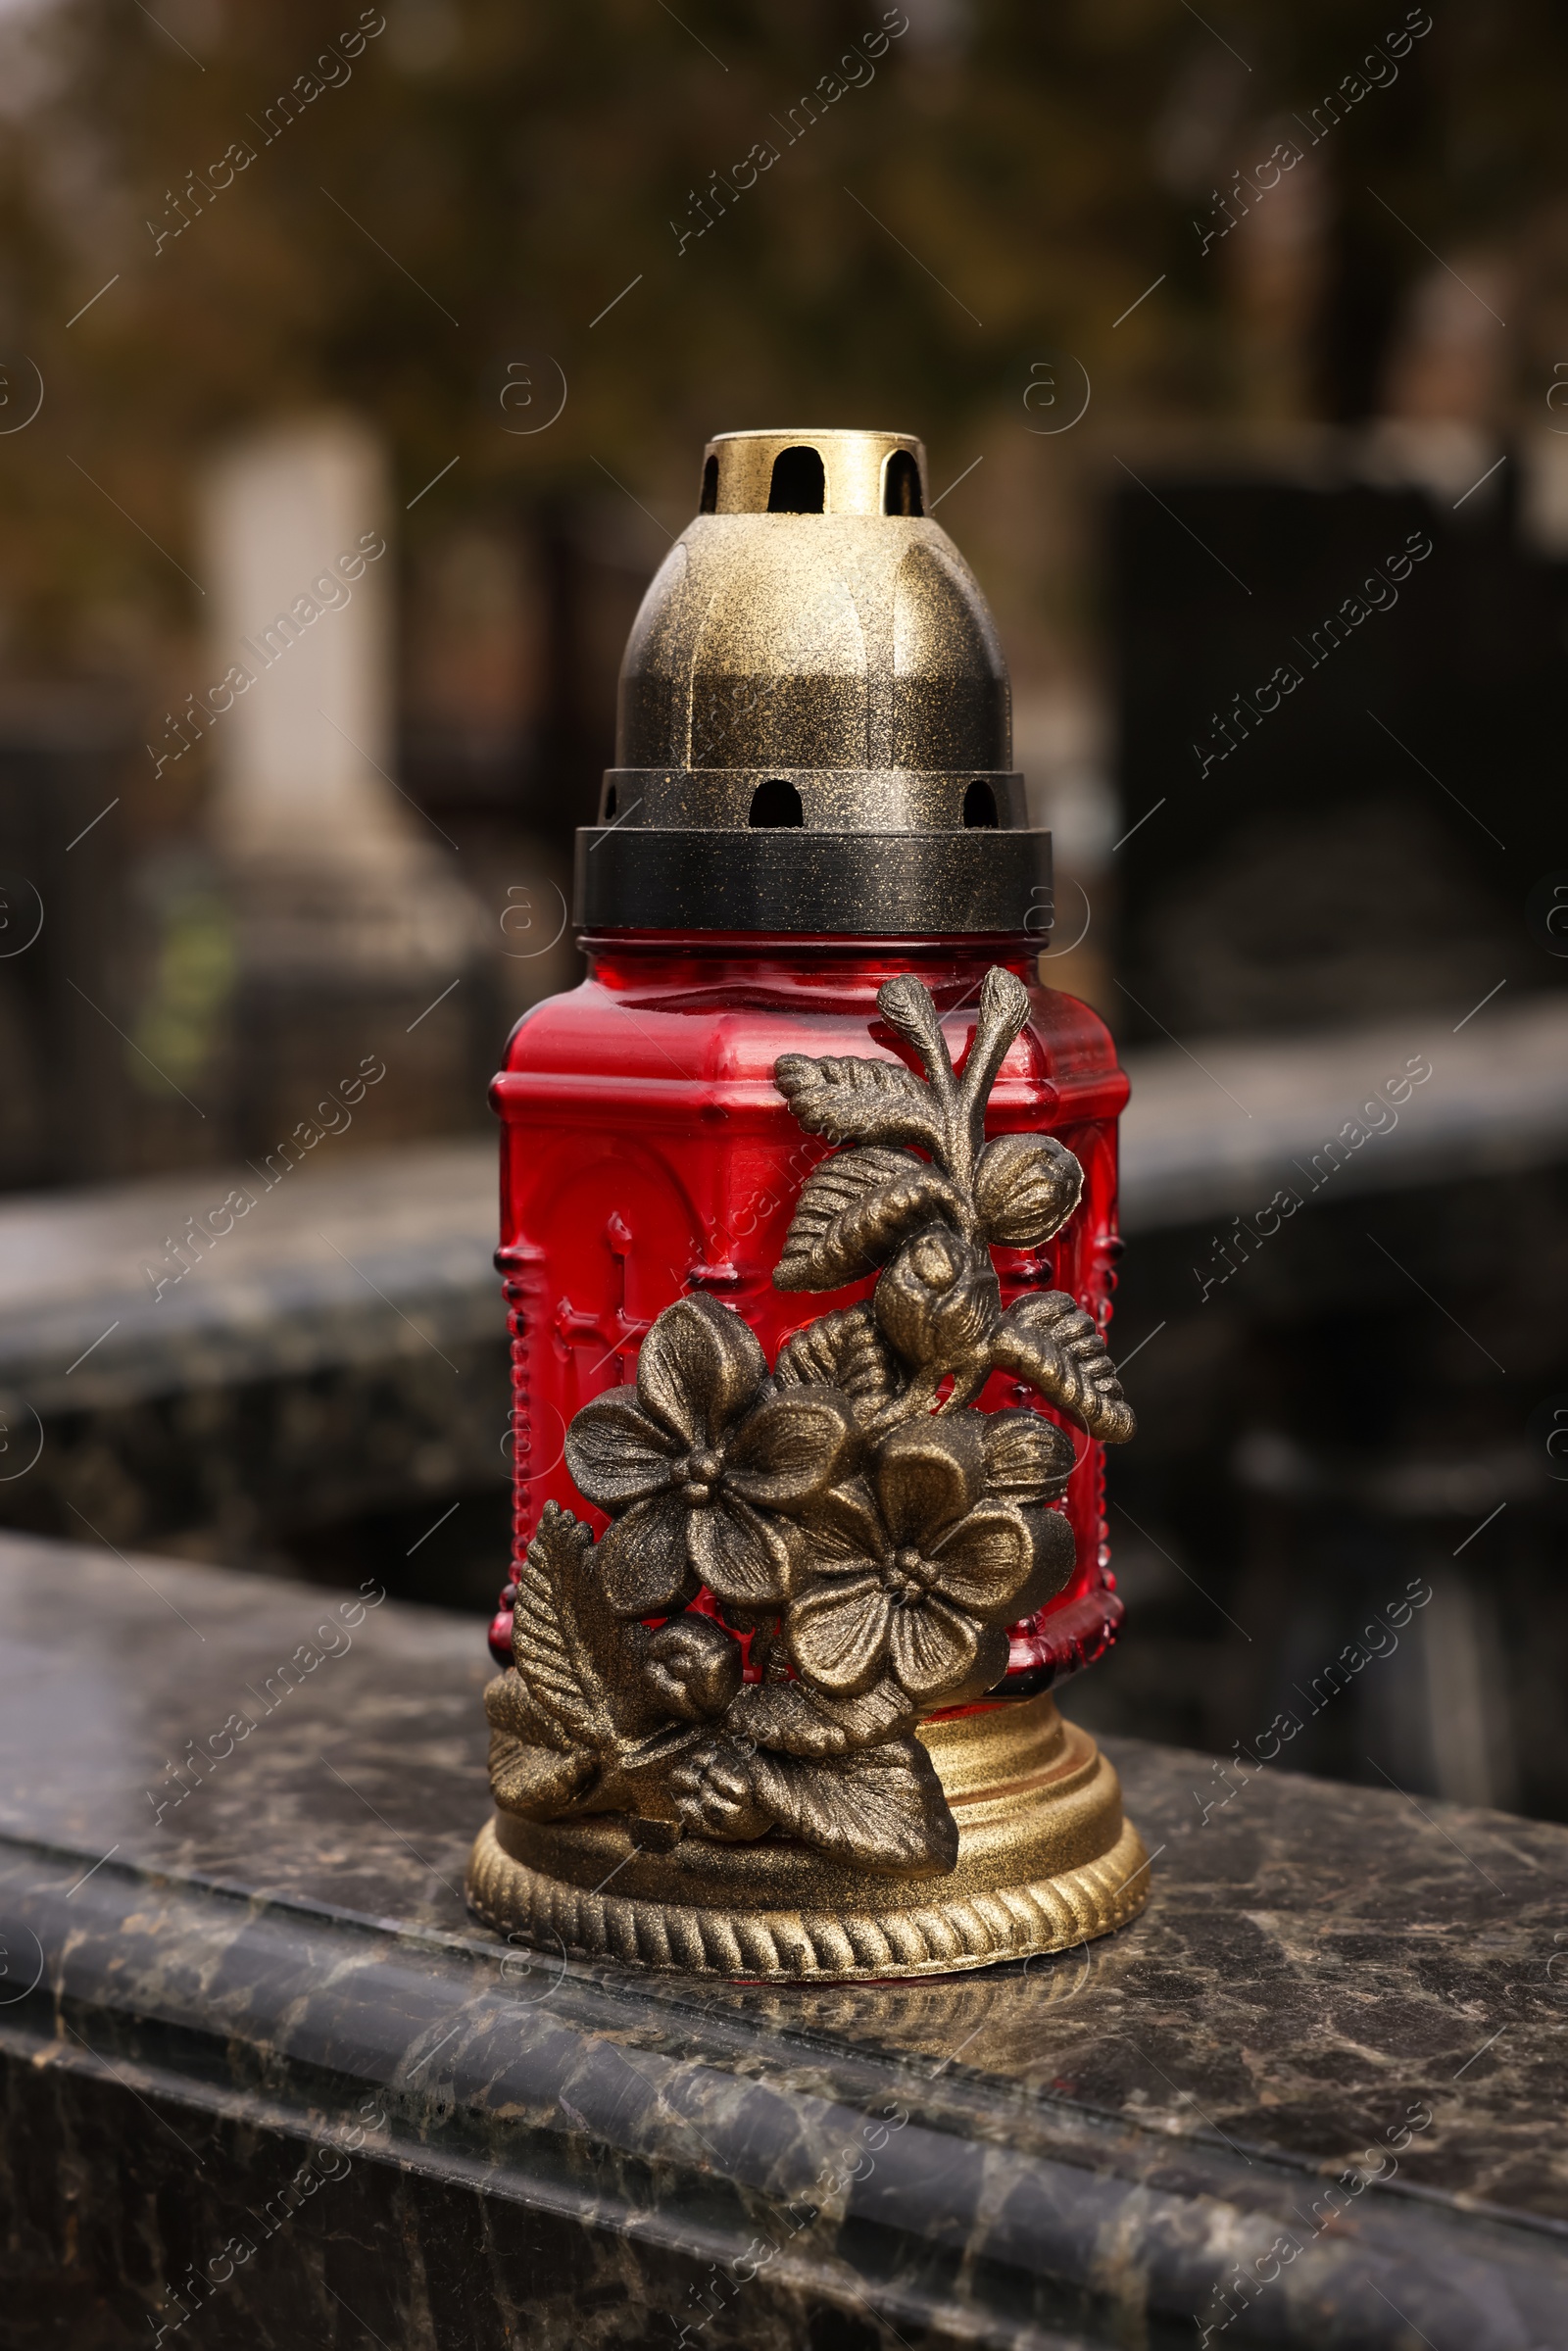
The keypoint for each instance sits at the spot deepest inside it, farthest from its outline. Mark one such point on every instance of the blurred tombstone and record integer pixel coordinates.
(1338, 724)
(355, 941)
(511, 636)
(64, 757)
(476, 678)
(1058, 745)
(1337, 757)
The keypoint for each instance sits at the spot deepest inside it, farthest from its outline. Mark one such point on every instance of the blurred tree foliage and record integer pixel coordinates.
(476, 181)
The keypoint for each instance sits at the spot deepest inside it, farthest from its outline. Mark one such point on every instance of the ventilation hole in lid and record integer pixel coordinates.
(710, 499)
(775, 803)
(799, 485)
(980, 806)
(901, 485)
(610, 797)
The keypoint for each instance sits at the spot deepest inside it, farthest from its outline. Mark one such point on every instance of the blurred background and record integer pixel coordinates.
(378, 349)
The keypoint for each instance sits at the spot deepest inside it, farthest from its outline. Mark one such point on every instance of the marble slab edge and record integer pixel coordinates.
(865, 2181)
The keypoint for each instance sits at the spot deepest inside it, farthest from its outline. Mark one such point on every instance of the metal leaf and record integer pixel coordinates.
(881, 1807)
(798, 1719)
(551, 1645)
(1049, 1340)
(538, 1783)
(854, 1211)
(844, 1350)
(853, 1101)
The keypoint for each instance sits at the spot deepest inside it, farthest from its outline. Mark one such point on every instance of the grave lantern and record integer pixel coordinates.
(808, 1200)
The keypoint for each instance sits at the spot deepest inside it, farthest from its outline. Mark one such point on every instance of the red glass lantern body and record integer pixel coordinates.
(647, 1153)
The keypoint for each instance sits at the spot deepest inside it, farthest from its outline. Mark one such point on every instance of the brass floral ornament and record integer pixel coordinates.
(804, 1563)
(916, 1570)
(696, 1463)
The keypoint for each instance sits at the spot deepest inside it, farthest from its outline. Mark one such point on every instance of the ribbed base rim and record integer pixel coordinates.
(934, 1937)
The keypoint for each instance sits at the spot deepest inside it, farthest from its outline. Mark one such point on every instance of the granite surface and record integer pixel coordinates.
(1198, 1143)
(271, 1979)
(338, 1350)
(352, 1259)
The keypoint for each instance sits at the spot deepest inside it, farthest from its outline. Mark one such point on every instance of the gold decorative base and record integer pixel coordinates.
(1045, 1861)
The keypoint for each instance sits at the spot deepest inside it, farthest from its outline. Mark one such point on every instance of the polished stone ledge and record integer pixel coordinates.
(1219, 1136)
(348, 1259)
(273, 1980)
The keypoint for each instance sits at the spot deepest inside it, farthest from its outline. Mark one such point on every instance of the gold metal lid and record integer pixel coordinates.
(814, 656)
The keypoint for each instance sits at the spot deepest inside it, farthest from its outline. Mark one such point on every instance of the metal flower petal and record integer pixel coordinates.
(616, 1453)
(642, 1560)
(699, 1369)
(1028, 1458)
(984, 1562)
(1056, 1555)
(843, 1532)
(792, 1448)
(986, 1668)
(838, 1635)
(739, 1557)
(928, 1473)
(933, 1648)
